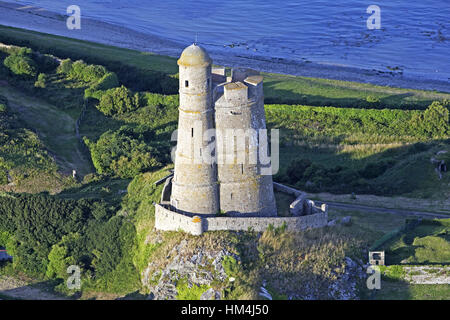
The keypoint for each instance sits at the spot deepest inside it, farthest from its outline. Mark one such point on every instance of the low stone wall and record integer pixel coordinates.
(307, 215)
(260, 224)
(288, 190)
(168, 220)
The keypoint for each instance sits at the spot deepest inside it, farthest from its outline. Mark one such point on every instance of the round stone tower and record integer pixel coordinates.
(239, 115)
(194, 186)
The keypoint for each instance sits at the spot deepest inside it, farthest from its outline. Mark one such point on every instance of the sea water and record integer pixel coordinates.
(413, 35)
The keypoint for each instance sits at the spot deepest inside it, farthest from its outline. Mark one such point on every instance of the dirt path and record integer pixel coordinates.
(55, 127)
(404, 212)
(13, 288)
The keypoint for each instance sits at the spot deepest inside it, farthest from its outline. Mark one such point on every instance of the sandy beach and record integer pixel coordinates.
(38, 19)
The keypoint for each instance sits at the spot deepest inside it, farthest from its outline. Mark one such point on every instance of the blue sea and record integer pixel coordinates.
(414, 35)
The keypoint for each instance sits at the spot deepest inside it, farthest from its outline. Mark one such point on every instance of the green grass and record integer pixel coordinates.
(78, 49)
(55, 128)
(189, 293)
(323, 92)
(399, 290)
(428, 243)
(379, 223)
(277, 88)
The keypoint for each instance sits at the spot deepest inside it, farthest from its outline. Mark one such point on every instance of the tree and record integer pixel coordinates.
(436, 119)
(118, 101)
(41, 81)
(21, 65)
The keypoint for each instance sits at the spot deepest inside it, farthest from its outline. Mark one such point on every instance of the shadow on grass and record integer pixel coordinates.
(274, 95)
(394, 171)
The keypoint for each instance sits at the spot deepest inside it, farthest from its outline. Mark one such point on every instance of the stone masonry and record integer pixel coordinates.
(233, 191)
(234, 108)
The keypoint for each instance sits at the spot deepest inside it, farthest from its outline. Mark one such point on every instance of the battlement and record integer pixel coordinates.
(236, 93)
(245, 86)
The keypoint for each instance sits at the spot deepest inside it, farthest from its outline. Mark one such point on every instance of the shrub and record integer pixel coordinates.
(41, 81)
(3, 176)
(5, 236)
(374, 169)
(373, 101)
(65, 66)
(436, 119)
(88, 73)
(118, 101)
(122, 153)
(296, 169)
(108, 81)
(21, 65)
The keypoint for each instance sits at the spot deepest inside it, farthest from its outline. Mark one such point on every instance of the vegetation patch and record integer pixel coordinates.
(426, 243)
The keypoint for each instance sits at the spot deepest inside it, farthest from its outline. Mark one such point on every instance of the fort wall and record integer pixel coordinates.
(167, 220)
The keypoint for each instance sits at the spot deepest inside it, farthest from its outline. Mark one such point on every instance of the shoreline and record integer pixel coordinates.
(41, 20)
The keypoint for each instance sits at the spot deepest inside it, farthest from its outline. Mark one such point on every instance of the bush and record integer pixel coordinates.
(118, 101)
(123, 153)
(375, 169)
(41, 81)
(296, 169)
(65, 66)
(88, 73)
(373, 101)
(108, 81)
(21, 65)
(436, 119)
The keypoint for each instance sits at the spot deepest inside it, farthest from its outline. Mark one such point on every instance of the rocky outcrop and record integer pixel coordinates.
(200, 267)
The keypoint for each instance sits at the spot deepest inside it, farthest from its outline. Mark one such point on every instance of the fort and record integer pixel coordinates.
(224, 182)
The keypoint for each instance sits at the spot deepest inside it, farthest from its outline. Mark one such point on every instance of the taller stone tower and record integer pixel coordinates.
(195, 187)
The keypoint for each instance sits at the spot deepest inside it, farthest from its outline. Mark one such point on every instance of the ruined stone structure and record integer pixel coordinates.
(226, 174)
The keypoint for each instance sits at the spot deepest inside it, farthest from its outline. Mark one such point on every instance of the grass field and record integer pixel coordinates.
(277, 88)
(70, 48)
(399, 290)
(55, 128)
(427, 243)
(284, 89)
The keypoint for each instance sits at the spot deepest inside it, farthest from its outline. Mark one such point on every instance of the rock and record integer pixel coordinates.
(332, 223)
(208, 294)
(346, 220)
(199, 267)
(350, 263)
(265, 294)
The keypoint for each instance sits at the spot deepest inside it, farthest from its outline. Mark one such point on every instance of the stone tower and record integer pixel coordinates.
(239, 108)
(195, 187)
